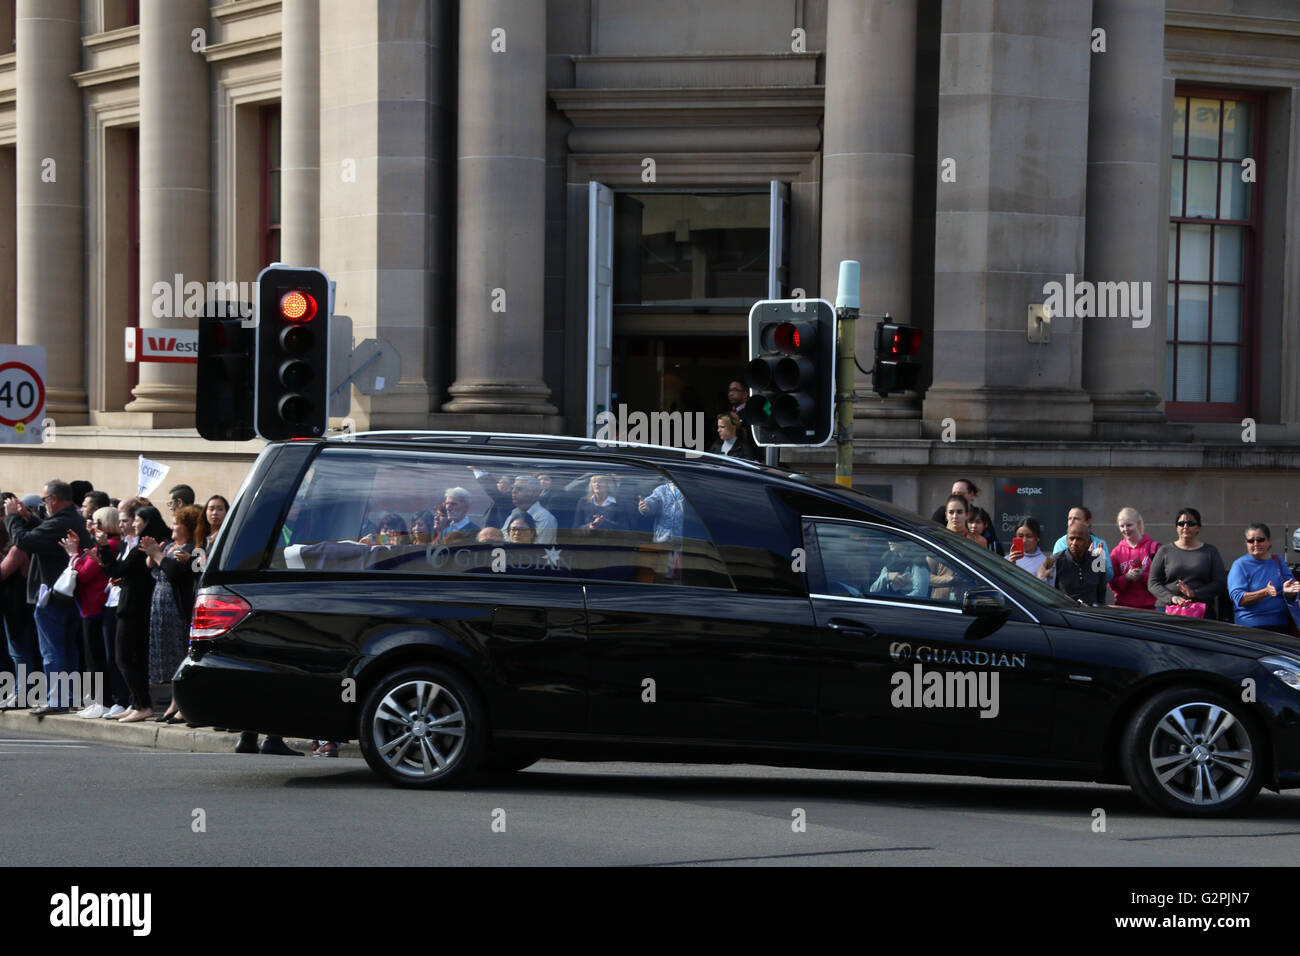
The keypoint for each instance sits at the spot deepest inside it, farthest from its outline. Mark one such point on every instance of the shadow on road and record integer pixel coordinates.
(1013, 796)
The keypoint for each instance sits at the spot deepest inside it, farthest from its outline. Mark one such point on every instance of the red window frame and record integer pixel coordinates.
(1248, 377)
(270, 199)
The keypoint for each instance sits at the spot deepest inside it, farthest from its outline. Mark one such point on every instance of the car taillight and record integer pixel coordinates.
(216, 613)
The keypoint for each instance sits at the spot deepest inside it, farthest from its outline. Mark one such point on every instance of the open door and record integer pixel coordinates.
(600, 300)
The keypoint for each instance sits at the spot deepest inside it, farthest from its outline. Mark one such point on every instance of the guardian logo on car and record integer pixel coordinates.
(900, 651)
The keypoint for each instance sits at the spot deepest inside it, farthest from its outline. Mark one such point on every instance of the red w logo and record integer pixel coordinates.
(162, 345)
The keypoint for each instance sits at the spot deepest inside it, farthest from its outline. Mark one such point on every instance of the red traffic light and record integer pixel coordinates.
(297, 306)
(789, 338)
(902, 341)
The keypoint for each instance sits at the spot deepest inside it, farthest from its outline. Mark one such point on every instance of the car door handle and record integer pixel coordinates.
(854, 628)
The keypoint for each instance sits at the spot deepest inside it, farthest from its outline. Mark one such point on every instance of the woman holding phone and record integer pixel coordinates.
(1024, 552)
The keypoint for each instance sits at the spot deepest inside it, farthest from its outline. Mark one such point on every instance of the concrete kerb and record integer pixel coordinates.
(145, 733)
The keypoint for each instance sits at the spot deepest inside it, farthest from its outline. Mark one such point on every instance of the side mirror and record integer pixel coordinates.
(985, 602)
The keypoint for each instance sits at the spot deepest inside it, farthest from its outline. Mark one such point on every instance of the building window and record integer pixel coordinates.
(1212, 227)
(270, 179)
(120, 13)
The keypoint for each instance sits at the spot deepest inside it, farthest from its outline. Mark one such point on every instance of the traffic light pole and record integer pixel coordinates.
(846, 313)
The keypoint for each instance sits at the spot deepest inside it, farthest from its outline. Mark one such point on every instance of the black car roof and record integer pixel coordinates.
(659, 455)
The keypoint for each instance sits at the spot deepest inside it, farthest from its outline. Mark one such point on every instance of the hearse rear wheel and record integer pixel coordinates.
(423, 726)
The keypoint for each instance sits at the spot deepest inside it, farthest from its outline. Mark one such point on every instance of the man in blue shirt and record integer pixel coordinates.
(1079, 515)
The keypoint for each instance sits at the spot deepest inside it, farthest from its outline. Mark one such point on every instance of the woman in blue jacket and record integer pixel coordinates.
(1261, 585)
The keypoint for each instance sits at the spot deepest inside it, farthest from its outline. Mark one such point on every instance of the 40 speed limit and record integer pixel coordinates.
(22, 394)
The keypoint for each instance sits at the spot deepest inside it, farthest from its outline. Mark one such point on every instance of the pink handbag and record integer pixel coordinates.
(1193, 609)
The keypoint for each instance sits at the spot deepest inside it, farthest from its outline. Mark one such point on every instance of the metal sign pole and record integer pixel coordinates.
(846, 312)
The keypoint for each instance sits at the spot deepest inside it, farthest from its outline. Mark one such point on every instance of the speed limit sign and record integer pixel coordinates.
(22, 394)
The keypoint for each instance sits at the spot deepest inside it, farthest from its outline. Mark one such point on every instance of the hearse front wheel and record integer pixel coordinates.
(1193, 752)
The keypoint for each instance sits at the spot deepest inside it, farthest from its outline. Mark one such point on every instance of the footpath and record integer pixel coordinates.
(144, 733)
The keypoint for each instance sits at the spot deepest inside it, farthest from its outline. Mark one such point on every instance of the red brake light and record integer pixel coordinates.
(216, 613)
(297, 306)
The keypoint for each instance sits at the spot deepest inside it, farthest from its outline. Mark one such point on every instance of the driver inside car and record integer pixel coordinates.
(901, 577)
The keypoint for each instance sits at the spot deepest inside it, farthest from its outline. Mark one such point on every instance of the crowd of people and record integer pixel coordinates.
(92, 584)
(1185, 576)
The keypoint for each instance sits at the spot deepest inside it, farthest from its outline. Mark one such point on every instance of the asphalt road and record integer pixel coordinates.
(81, 803)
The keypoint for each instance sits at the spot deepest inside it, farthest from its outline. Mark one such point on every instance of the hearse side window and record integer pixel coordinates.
(375, 510)
(872, 562)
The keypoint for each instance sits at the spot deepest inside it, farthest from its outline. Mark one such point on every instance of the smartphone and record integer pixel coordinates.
(1018, 544)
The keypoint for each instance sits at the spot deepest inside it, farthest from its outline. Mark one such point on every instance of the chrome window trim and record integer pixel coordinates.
(924, 542)
(946, 609)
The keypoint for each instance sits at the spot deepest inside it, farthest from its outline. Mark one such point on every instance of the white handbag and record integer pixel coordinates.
(67, 581)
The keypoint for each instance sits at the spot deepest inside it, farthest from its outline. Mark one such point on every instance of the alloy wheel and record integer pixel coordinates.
(419, 729)
(1200, 753)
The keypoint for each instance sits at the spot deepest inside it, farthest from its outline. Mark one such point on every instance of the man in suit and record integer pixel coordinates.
(456, 502)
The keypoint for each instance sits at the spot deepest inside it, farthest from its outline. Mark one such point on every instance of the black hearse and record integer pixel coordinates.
(654, 604)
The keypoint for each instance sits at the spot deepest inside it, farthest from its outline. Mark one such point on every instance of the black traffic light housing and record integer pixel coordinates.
(792, 372)
(291, 398)
(223, 409)
(898, 366)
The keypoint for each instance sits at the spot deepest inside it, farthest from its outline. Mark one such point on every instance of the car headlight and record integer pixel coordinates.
(1284, 669)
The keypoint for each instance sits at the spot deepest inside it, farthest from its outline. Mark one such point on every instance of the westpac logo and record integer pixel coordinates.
(1021, 490)
(165, 345)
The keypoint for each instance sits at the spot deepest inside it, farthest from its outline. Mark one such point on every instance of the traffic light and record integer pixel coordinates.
(792, 372)
(291, 397)
(223, 409)
(897, 364)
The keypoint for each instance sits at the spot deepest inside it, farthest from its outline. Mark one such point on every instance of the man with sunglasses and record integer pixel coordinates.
(57, 624)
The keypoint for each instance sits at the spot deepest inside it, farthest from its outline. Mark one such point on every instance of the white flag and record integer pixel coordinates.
(150, 476)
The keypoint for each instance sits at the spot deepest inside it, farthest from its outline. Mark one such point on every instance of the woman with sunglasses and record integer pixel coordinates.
(1190, 571)
(1261, 585)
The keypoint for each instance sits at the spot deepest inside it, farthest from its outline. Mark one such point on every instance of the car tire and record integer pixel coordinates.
(400, 724)
(1193, 752)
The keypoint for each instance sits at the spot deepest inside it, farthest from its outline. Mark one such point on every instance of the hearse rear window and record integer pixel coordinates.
(367, 511)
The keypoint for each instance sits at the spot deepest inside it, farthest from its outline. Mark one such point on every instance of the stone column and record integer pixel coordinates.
(1009, 218)
(380, 199)
(1128, 213)
(50, 293)
(867, 160)
(300, 133)
(501, 237)
(175, 188)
